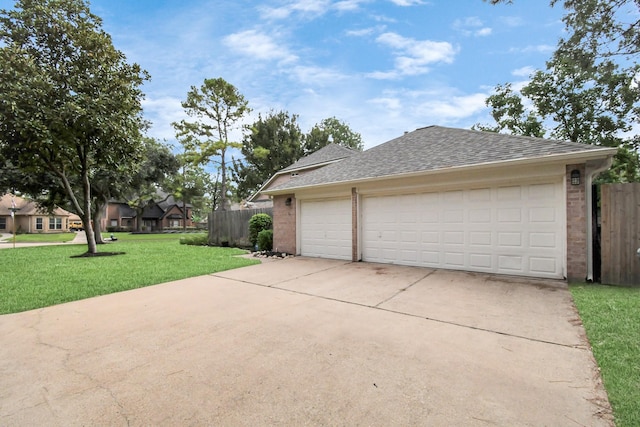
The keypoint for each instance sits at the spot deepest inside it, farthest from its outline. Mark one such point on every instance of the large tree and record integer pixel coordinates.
(510, 114)
(332, 130)
(589, 90)
(189, 184)
(606, 28)
(270, 144)
(154, 173)
(70, 104)
(216, 107)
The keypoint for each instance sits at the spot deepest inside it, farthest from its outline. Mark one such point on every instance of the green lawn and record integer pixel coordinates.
(148, 236)
(43, 238)
(42, 276)
(611, 317)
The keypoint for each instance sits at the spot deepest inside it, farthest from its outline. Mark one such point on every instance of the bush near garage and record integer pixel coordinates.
(265, 240)
(258, 223)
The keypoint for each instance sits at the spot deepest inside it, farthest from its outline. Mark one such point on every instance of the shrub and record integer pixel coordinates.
(195, 240)
(265, 240)
(257, 223)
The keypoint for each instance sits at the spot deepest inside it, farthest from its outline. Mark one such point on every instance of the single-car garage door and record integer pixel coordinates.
(325, 228)
(516, 230)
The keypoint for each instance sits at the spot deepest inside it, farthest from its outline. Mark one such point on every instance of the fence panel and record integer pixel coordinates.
(231, 228)
(620, 236)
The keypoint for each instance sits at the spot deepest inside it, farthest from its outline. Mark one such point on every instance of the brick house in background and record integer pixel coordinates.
(156, 216)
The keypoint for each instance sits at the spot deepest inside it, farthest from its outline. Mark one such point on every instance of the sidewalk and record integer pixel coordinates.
(6, 241)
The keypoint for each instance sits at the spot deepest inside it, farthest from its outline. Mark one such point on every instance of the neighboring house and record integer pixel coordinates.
(119, 216)
(449, 198)
(29, 218)
(167, 213)
(328, 154)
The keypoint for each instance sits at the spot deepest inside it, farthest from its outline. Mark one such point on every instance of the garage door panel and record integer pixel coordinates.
(503, 229)
(454, 259)
(481, 261)
(542, 265)
(325, 228)
(480, 238)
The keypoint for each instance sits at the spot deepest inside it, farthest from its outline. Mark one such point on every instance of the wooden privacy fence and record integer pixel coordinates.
(231, 228)
(620, 234)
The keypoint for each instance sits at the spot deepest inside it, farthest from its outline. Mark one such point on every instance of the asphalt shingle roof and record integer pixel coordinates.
(26, 207)
(433, 148)
(326, 154)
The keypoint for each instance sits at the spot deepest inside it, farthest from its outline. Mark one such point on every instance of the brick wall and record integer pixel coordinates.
(576, 226)
(284, 224)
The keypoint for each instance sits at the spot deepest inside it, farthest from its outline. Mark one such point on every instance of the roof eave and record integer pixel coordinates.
(577, 157)
(285, 171)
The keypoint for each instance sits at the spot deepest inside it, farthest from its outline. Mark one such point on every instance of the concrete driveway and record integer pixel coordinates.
(306, 342)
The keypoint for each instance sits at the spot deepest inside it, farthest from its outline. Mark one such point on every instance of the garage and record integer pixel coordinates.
(449, 198)
(515, 229)
(325, 228)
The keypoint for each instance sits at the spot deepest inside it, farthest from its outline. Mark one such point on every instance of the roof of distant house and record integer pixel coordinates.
(26, 207)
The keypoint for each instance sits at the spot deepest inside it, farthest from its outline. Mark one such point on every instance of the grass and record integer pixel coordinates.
(125, 236)
(611, 317)
(43, 238)
(38, 277)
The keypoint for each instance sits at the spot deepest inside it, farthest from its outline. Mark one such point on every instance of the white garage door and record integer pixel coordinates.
(508, 230)
(325, 228)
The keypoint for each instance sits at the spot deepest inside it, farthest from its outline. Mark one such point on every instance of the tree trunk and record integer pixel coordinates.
(97, 219)
(184, 215)
(83, 211)
(86, 218)
(223, 184)
(139, 219)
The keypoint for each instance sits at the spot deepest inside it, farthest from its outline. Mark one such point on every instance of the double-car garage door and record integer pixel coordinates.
(516, 229)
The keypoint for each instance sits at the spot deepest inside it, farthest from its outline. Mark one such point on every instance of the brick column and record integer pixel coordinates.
(284, 224)
(576, 225)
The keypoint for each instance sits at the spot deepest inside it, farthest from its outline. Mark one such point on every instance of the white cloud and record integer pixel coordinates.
(162, 112)
(361, 33)
(541, 48)
(470, 21)
(524, 71)
(471, 26)
(347, 5)
(517, 86)
(413, 56)
(308, 8)
(408, 2)
(259, 46)
(453, 108)
(315, 76)
(389, 103)
(512, 21)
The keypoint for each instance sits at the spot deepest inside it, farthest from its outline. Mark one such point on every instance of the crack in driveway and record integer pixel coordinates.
(403, 313)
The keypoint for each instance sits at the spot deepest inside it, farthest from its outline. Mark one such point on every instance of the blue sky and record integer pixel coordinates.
(382, 66)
